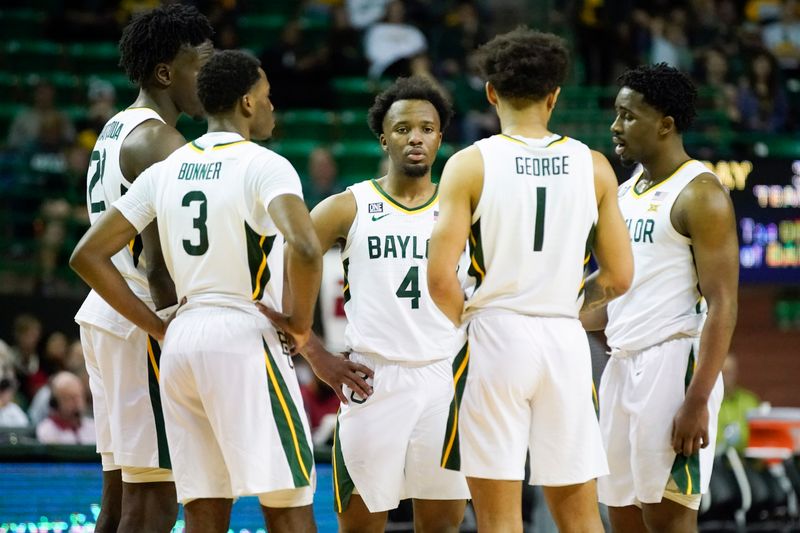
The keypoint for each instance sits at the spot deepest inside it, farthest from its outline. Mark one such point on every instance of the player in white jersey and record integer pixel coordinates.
(161, 51)
(389, 430)
(224, 205)
(661, 390)
(534, 205)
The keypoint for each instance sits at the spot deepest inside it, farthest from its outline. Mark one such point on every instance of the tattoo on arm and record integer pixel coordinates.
(596, 296)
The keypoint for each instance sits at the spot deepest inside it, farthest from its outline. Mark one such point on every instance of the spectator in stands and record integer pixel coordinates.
(345, 45)
(11, 414)
(102, 98)
(55, 353)
(761, 99)
(322, 176)
(463, 32)
(732, 426)
(28, 123)
(27, 333)
(782, 37)
(67, 423)
(713, 74)
(299, 73)
(670, 44)
(389, 45)
(363, 13)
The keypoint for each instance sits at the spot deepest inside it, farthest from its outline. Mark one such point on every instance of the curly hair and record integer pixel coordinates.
(524, 64)
(665, 88)
(226, 77)
(156, 37)
(412, 88)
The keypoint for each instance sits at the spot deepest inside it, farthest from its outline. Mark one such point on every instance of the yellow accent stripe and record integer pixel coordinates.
(586, 260)
(261, 267)
(583, 282)
(475, 264)
(562, 140)
(657, 185)
(335, 471)
(431, 203)
(288, 416)
(454, 429)
(345, 287)
(130, 245)
(195, 148)
(512, 139)
(688, 478)
(153, 359)
(594, 395)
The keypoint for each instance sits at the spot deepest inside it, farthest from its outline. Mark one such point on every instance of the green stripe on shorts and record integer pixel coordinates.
(451, 452)
(686, 470)
(153, 375)
(342, 483)
(290, 427)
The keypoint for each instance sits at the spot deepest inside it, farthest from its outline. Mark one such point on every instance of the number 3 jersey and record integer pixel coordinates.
(211, 198)
(533, 226)
(105, 183)
(389, 310)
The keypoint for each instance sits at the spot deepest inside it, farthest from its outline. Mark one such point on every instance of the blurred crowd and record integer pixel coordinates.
(744, 54)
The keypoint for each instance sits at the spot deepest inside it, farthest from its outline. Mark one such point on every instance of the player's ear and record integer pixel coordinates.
(246, 103)
(666, 125)
(382, 140)
(162, 74)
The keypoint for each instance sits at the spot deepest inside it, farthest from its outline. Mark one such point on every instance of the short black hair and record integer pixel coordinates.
(665, 88)
(411, 88)
(156, 36)
(227, 76)
(524, 64)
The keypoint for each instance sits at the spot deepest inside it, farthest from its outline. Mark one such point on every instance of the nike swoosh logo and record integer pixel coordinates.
(376, 217)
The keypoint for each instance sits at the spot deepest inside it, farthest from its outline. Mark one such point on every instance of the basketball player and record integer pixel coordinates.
(534, 205)
(387, 440)
(161, 51)
(661, 391)
(224, 205)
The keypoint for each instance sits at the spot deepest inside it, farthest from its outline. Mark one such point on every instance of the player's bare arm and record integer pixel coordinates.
(91, 260)
(151, 142)
(332, 219)
(704, 212)
(611, 249)
(459, 192)
(303, 264)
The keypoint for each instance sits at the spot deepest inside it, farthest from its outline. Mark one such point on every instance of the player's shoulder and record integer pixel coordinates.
(469, 157)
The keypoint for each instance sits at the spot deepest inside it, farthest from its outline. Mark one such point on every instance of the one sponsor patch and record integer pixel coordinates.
(375, 207)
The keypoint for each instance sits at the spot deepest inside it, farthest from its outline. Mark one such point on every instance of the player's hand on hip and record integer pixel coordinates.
(690, 428)
(283, 322)
(340, 371)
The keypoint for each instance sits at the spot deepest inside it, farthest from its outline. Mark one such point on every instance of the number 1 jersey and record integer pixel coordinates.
(389, 310)
(211, 198)
(533, 227)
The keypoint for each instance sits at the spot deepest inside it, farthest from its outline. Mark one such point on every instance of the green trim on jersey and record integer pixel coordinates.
(587, 255)
(560, 140)
(346, 284)
(136, 248)
(258, 250)
(342, 482)
(477, 269)
(686, 470)
(153, 389)
(400, 206)
(289, 425)
(451, 448)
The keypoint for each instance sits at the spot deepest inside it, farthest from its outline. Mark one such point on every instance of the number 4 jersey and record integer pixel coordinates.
(389, 310)
(533, 226)
(211, 198)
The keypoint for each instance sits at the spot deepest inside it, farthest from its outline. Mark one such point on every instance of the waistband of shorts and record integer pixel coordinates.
(622, 353)
(493, 312)
(379, 359)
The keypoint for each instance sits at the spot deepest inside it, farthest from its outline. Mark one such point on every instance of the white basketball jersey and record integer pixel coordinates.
(104, 185)
(211, 198)
(664, 300)
(533, 225)
(389, 310)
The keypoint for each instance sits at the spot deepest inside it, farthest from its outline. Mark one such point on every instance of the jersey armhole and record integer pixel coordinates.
(348, 240)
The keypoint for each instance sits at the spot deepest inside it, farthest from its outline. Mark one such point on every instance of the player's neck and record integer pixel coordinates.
(664, 164)
(160, 103)
(530, 122)
(228, 124)
(406, 189)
